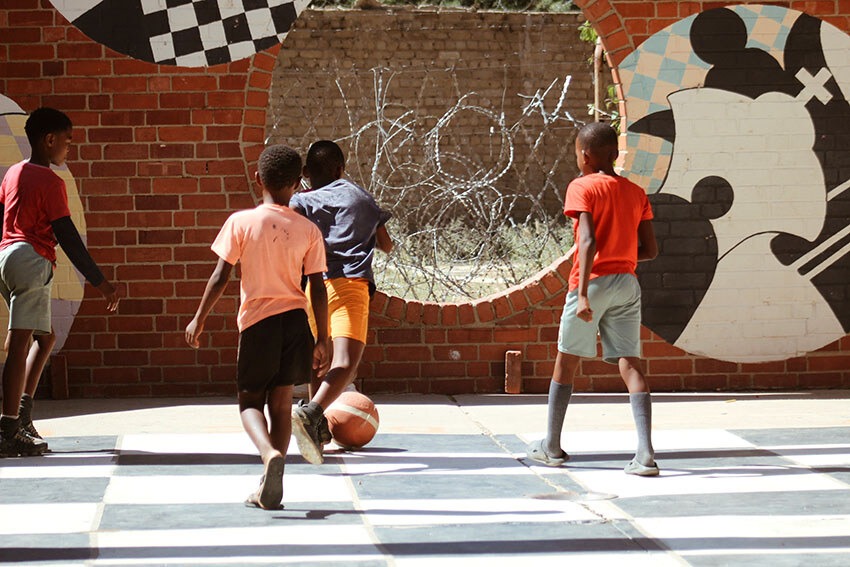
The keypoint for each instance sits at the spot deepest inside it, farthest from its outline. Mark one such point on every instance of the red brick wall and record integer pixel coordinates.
(163, 155)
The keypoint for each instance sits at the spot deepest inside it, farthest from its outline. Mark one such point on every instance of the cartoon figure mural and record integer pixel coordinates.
(188, 33)
(739, 124)
(67, 282)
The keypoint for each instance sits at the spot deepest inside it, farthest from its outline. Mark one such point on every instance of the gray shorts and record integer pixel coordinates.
(615, 301)
(26, 279)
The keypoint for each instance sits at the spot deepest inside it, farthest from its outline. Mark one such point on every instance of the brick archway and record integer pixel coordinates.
(427, 347)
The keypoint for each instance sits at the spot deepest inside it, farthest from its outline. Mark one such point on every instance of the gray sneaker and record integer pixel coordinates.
(17, 443)
(636, 468)
(537, 452)
(307, 434)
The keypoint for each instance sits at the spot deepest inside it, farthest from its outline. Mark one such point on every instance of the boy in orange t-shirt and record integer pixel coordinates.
(276, 349)
(613, 231)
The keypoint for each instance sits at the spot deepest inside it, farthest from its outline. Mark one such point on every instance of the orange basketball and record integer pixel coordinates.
(353, 420)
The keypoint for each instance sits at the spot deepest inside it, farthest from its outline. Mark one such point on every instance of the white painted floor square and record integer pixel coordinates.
(685, 534)
(473, 511)
(46, 518)
(209, 489)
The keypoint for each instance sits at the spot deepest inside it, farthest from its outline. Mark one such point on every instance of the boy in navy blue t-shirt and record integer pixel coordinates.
(353, 225)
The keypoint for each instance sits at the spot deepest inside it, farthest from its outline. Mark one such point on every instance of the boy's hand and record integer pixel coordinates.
(321, 361)
(583, 310)
(110, 293)
(193, 333)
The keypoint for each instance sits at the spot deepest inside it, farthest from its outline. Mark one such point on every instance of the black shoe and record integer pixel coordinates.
(16, 442)
(325, 431)
(306, 427)
(25, 413)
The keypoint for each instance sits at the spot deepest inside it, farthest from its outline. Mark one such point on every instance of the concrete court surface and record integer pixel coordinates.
(747, 479)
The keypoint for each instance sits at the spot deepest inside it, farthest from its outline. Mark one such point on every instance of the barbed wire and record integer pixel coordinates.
(476, 196)
(490, 5)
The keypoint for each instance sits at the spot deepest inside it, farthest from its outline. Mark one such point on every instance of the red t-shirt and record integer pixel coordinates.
(33, 196)
(617, 206)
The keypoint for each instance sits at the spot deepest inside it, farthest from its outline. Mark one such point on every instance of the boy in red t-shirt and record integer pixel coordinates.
(34, 208)
(613, 231)
(274, 245)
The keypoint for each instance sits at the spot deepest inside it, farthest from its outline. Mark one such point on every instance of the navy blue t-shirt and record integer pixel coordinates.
(348, 217)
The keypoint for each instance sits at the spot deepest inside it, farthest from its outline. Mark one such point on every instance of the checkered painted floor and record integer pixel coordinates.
(754, 497)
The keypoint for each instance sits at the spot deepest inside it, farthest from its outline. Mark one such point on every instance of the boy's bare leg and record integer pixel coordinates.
(280, 413)
(39, 353)
(346, 358)
(13, 439)
(15, 370)
(270, 492)
(251, 406)
(325, 390)
(631, 371)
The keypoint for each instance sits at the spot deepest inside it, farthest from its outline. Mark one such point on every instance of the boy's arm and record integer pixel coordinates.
(383, 242)
(212, 293)
(586, 253)
(647, 246)
(319, 302)
(69, 239)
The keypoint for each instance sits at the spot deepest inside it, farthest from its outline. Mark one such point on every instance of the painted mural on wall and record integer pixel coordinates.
(67, 282)
(739, 128)
(187, 33)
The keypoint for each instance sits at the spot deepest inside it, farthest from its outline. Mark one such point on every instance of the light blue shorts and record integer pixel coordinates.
(615, 301)
(26, 280)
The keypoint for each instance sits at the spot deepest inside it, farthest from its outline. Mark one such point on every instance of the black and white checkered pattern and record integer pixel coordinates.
(195, 33)
(754, 497)
(191, 33)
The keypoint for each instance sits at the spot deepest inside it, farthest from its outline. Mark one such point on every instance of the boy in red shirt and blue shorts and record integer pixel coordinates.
(34, 209)
(274, 245)
(613, 231)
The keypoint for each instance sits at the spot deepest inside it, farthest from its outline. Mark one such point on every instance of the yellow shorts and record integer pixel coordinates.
(348, 308)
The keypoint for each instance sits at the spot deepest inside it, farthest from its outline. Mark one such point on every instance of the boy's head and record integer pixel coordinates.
(279, 169)
(49, 134)
(325, 163)
(596, 148)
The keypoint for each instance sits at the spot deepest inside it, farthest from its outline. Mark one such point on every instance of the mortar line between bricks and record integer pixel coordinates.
(660, 546)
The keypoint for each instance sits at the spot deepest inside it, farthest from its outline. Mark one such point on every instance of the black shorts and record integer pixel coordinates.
(276, 351)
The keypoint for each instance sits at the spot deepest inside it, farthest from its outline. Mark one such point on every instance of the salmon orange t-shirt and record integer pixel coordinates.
(274, 244)
(33, 196)
(617, 206)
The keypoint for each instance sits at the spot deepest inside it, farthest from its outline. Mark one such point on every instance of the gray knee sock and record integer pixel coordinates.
(559, 399)
(642, 412)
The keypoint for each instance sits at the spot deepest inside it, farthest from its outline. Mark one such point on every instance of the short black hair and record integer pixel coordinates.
(279, 167)
(597, 138)
(44, 121)
(324, 158)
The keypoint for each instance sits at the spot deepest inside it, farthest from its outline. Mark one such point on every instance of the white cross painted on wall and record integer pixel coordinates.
(814, 86)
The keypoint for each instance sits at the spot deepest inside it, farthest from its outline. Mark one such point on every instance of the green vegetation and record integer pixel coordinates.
(456, 263)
